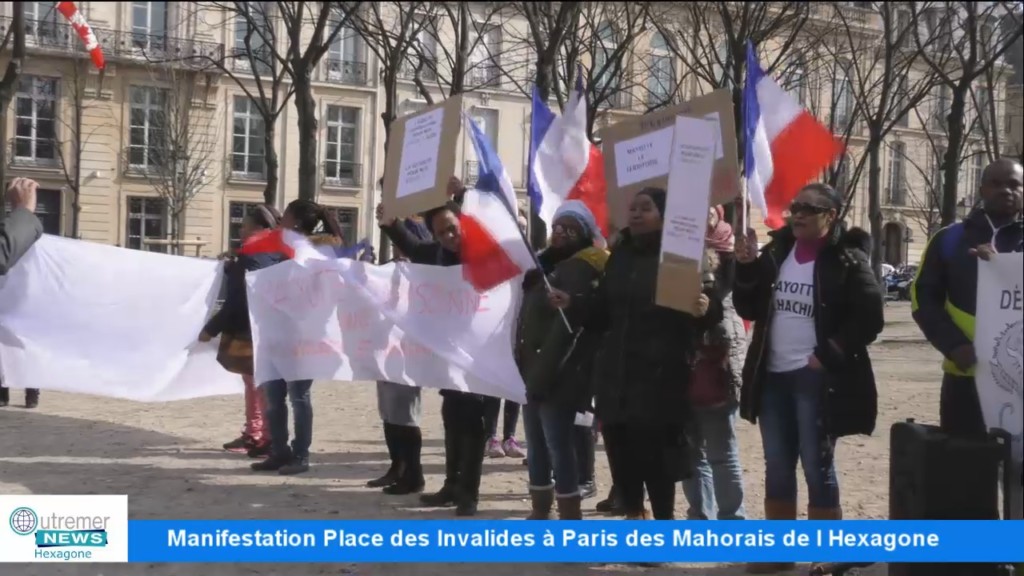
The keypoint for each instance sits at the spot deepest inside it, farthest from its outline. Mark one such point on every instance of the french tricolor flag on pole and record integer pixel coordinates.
(563, 163)
(494, 249)
(785, 146)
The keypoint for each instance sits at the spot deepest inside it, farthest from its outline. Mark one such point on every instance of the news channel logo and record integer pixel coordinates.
(65, 528)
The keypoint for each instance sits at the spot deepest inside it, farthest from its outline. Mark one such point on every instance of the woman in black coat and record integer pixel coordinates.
(642, 392)
(807, 380)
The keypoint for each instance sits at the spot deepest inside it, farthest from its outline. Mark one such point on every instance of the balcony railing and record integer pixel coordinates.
(345, 72)
(60, 37)
(24, 152)
(407, 71)
(485, 75)
(341, 174)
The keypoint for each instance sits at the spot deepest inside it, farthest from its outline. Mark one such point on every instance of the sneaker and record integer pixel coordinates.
(494, 449)
(296, 466)
(258, 450)
(270, 464)
(512, 448)
(237, 445)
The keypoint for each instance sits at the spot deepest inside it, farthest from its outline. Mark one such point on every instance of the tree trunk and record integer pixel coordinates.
(273, 164)
(177, 230)
(305, 106)
(388, 116)
(951, 162)
(875, 200)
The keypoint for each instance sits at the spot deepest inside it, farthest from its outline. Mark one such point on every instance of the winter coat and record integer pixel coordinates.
(718, 372)
(848, 316)
(233, 317)
(18, 232)
(556, 365)
(944, 293)
(645, 370)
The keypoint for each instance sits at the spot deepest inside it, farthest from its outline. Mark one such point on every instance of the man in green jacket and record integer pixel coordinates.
(19, 230)
(944, 294)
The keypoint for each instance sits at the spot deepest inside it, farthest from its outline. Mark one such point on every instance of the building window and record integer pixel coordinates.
(902, 98)
(941, 111)
(147, 139)
(607, 70)
(43, 25)
(424, 50)
(247, 153)
(346, 58)
(982, 103)
(237, 211)
(662, 81)
(341, 162)
(795, 80)
(48, 210)
(348, 220)
(842, 99)
(485, 69)
(897, 173)
(979, 169)
(254, 28)
(35, 120)
(937, 160)
(149, 25)
(147, 220)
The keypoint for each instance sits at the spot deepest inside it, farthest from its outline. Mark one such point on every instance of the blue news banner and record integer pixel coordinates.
(573, 541)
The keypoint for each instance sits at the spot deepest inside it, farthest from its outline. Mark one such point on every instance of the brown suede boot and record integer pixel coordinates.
(775, 510)
(569, 508)
(823, 514)
(541, 502)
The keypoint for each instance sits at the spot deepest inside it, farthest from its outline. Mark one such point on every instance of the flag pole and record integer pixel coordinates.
(536, 262)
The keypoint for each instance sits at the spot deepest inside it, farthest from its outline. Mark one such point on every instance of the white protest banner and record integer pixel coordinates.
(95, 319)
(417, 325)
(998, 344)
(689, 188)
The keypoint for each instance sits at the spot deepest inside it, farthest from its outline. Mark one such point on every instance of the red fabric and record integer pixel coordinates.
(267, 242)
(591, 189)
(485, 264)
(78, 22)
(256, 428)
(709, 379)
(799, 153)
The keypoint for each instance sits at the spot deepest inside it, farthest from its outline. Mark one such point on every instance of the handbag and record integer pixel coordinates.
(235, 355)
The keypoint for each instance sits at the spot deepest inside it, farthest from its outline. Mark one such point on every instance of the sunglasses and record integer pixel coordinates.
(808, 209)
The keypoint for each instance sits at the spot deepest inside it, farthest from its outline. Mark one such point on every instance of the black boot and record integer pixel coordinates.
(585, 447)
(471, 468)
(446, 495)
(410, 444)
(31, 398)
(611, 505)
(5, 396)
(391, 476)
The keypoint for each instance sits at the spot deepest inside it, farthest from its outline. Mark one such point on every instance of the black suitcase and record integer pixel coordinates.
(935, 476)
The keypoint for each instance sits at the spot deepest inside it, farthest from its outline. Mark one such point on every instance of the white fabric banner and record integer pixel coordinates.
(998, 337)
(95, 319)
(406, 323)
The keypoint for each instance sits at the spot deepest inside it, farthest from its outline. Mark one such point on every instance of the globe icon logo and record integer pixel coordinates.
(24, 521)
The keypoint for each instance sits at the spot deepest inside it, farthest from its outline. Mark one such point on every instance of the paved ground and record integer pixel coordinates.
(166, 458)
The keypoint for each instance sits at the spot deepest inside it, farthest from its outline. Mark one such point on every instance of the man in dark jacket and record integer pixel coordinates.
(944, 294)
(463, 413)
(18, 232)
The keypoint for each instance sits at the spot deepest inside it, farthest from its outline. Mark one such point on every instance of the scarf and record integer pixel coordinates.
(720, 237)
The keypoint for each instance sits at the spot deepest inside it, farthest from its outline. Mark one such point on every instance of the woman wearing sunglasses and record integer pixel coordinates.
(807, 380)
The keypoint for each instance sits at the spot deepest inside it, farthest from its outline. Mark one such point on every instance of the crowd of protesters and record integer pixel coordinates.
(663, 387)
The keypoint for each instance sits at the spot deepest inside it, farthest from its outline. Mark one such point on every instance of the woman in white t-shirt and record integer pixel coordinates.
(816, 306)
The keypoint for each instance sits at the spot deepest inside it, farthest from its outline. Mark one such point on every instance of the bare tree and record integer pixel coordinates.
(250, 63)
(74, 136)
(549, 28)
(180, 150)
(14, 38)
(888, 84)
(960, 43)
(923, 193)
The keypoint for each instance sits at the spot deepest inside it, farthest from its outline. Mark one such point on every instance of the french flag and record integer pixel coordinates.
(785, 146)
(563, 163)
(494, 249)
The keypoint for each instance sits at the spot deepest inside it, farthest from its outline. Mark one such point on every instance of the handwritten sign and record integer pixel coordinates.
(999, 346)
(417, 325)
(418, 168)
(689, 187)
(643, 157)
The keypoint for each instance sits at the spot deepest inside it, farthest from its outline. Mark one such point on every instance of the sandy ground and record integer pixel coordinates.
(166, 457)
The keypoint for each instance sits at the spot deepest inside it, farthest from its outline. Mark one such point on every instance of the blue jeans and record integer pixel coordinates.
(792, 427)
(277, 393)
(717, 483)
(550, 436)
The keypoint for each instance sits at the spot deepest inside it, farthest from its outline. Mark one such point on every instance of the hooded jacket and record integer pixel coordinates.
(944, 293)
(848, 316)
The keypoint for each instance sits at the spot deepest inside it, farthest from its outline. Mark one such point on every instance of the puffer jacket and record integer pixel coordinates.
(718, 373)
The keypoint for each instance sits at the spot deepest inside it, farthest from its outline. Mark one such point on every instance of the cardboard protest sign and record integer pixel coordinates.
(421, 159)
(637, 152)
(687, 202)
